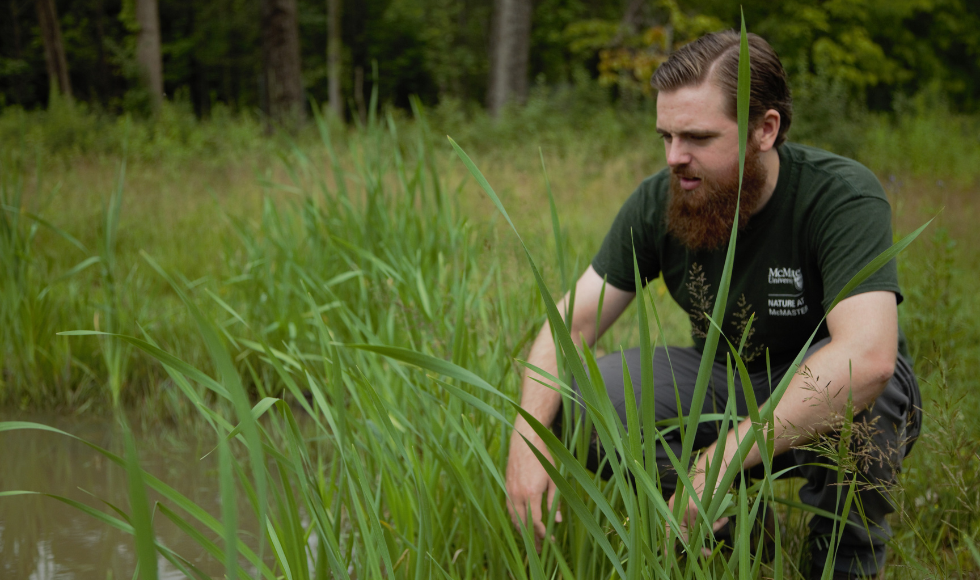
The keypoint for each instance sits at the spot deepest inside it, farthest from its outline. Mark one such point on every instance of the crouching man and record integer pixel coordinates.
(808, 222)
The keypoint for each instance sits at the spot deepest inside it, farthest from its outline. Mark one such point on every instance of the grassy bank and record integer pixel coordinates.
(379, 236)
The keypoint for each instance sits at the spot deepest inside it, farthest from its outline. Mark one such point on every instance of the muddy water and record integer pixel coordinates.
(44, 539)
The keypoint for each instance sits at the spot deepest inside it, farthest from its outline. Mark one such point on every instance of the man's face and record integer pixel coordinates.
(701, 145)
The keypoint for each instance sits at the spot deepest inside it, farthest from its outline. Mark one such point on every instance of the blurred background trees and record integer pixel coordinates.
(277, 55)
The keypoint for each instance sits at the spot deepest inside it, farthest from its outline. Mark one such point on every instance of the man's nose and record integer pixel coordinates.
(677, 154)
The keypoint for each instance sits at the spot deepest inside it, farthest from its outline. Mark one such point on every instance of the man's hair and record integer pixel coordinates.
(716, 56)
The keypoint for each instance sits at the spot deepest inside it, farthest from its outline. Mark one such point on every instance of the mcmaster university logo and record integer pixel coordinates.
(783, 301)
(787, 276)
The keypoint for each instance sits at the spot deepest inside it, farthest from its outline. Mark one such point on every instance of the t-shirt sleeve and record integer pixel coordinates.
(852, 235)
(615, 258)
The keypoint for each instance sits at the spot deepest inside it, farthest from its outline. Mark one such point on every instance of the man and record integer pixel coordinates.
(808, 222)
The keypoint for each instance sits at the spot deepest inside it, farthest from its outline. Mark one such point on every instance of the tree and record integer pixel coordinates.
(283, 71)
(148, 57)
(333, 57)
(54, 47)
(509, 51)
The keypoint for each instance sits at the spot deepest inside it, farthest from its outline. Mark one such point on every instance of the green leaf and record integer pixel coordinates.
(257, 411)
(229, 507)
(431, 363)
(139, 506)
(232, 384)
(162, 356)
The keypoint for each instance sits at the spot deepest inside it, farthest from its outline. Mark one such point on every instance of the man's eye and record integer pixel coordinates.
(665, 137)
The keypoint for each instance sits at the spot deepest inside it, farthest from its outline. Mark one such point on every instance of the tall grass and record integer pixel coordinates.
(37, 298)
(360, 465)
(393, 476)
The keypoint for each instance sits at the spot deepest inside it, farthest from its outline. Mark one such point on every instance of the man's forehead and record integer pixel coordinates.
(692, 109)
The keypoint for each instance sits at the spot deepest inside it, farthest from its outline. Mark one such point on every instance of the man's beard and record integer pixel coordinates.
(702, 219)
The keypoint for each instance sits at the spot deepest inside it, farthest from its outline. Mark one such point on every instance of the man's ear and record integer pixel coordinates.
(767, 130)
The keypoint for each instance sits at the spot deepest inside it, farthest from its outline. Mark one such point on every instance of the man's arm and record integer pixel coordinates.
(863, 339)
(527, 480)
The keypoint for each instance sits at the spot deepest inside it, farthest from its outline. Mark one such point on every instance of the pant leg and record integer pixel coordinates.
(671, 366)
(893, 424)
(883, 435)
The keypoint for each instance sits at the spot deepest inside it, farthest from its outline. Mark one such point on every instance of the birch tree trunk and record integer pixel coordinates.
(333, 57)
(148, 49)
(283, 71)
(510, 47)
(54, 47)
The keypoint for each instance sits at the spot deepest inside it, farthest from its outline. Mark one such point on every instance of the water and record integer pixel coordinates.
(42, 538)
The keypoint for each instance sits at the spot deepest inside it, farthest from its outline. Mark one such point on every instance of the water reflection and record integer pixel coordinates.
(44, 539)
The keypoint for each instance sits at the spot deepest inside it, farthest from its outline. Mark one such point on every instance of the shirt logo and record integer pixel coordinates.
(787, 276)
(784, 302)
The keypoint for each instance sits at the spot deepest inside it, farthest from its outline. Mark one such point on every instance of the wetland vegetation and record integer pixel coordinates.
(243, 269)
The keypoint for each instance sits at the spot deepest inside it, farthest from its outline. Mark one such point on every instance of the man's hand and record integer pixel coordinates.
(527, 484)
(691, 513)
(527, 481)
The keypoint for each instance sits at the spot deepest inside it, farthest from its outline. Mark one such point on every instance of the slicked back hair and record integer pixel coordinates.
(714, 58)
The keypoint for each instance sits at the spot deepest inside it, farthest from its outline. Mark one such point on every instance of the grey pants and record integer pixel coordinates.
(892, 422)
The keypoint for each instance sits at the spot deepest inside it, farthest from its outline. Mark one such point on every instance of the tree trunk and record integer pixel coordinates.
(359, 94)
(102, 71)
(510, 47)
(333, 57)
(148, 49)
(14, 20)
(54, 48)
(283, 71)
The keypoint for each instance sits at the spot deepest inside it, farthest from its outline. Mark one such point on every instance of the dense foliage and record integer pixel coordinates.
(438, 49)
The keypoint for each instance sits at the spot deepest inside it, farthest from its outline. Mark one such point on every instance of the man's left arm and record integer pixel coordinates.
(860, 357)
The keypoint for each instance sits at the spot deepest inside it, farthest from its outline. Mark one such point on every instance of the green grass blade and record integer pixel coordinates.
(971, 545)
(555, 228)
(140, 511)
(257, 411)
(876, 264)
(578, 507)
(742, 97)
(232, 383)
(277, 546)
(632, 420)
(486, 408)
(162, 356)
(193, 533)
(431, 363)
(58, 231)
(581, 476)
(721, 299)
(224, 305)
(371, 515)
(101, 516)
(229, 508)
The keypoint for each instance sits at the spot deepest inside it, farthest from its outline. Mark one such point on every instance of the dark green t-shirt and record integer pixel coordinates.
(827, 218)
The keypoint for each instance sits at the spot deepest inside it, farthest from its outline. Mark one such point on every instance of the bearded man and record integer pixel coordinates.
(809, 220)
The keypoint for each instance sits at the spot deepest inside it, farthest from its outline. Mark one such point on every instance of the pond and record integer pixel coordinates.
(42, 538)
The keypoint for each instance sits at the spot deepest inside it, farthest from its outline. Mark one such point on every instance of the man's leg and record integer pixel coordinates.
(891, 433)
(681, 366)
(882, 436)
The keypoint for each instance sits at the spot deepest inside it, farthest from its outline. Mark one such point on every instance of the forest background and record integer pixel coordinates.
(111, 55)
